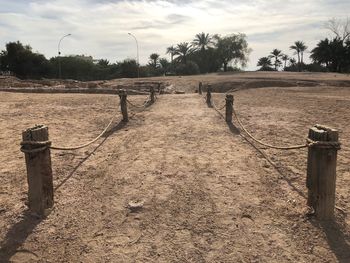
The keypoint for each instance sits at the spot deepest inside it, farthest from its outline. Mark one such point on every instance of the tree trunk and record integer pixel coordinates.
(276, 63)
(302, 58)
(225, 66)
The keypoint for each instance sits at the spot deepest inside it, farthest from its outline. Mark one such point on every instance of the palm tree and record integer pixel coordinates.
(264, 63)
(292, 61)
(182, 50)
(276, 54)
(164, 63)
(154, 59)
(285, 58)
(299, 47)
(322, 53)
(171, 50)
(202, 41)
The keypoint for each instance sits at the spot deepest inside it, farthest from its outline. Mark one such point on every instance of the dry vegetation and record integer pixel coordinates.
(208, 195)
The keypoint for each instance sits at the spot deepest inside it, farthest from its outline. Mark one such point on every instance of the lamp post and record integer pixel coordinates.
(59, 56)
(137, 50)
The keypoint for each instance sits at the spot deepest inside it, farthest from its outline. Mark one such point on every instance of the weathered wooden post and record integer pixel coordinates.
(123, 105)
(209, 95)
(152, 94)
(229, 107)
(321, 170)
(200, 88)
(158, 85)
(35, 146)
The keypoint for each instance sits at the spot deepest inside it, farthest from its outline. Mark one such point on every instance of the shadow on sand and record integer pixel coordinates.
(337, 237)
(19, 232)
(336, 231)
(280, 169)
(119, 126)
(17, 235)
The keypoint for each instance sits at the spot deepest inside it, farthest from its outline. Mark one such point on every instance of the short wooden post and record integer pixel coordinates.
(200, 88)
(152, 94)
(321, 170)
(229, 107)
(35, 146)
(123, 105)
(158, 84)
(209, 95)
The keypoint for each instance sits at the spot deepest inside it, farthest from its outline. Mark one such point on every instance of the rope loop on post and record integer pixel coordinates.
(43, 146)
(323, 144)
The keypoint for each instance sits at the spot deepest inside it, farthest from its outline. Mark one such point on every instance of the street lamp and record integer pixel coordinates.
(137, 50)
(59, 55)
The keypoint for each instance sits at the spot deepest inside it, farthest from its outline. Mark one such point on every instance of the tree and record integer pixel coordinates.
(165, 65)
(265, 64)
(183, 50)
(128, 68)
(103, 63)
(190, 68)
(233, 48)
(285, 58)
(171, 50)
(340, 28)
(276, 54)
(154, 57)
(20, 60)
(299, 47)
(333, 54)
(202, 41)
(292, 61)
(74, 67)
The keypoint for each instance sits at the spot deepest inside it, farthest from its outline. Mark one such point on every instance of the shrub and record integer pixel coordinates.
(190, 68)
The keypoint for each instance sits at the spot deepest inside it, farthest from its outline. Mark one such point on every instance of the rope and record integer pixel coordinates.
(42, 146)
(137, 106)
(323, 144)
(291, 147)
(138, 91)
(86, 144)
(216, 108)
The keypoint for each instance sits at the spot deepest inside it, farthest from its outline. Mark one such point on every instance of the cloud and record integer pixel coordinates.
(99, 27)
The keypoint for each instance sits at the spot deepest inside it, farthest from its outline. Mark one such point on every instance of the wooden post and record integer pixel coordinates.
(209, 95)
(152, 94)
(200, 88)
(36, 149)
(123, 105)
(158, 84)
(229, 107)
(321, 170)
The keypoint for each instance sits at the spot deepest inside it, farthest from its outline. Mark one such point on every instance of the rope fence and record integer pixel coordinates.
(36, 147)
(290, 147)
(322, 144)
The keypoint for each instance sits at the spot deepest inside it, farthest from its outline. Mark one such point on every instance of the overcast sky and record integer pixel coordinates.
(100, 27)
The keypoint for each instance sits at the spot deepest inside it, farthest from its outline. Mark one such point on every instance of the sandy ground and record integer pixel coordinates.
(219, 81)
(208, 195)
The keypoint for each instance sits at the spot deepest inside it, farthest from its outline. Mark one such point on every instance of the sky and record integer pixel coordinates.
(100, 27)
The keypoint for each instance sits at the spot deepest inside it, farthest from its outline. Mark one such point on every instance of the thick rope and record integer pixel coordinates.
(138, 91)
(137, 106)
(291, 147)
(88, 143)
(214, 105)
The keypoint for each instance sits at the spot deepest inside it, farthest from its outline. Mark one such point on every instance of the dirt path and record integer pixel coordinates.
(208, 197)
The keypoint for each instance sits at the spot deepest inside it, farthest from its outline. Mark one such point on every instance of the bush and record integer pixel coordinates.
(190, 68)
(266, 69)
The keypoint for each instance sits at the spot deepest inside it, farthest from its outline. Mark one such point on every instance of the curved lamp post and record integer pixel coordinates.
(137, 50)
(59, 55)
